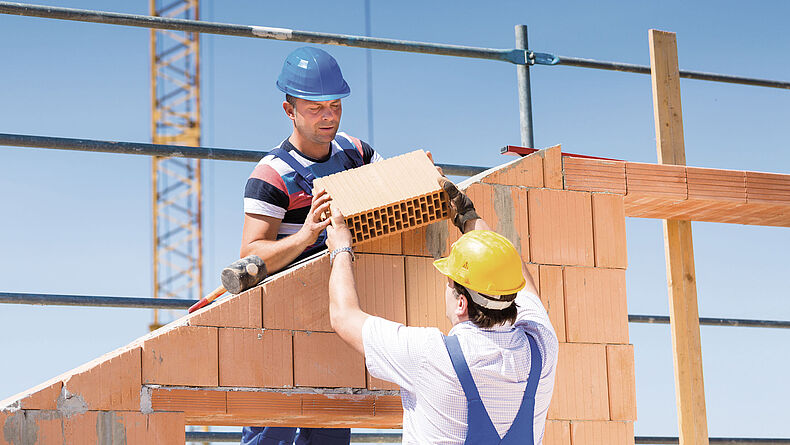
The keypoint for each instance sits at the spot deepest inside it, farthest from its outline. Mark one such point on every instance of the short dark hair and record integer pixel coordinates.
(290, 99)
(485, 318)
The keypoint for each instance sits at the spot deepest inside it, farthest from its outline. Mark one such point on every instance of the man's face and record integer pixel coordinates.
(317, 121)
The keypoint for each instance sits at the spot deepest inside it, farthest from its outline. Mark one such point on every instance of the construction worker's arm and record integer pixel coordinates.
(259, 236)
(345, 314)
(465, 217)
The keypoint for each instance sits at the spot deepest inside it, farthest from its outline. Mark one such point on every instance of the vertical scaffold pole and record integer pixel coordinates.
(524, 91)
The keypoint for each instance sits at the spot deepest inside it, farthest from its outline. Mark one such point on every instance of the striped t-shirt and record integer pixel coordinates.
(272, 189)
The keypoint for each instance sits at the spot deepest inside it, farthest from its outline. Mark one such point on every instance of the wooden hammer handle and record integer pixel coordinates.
(207, 299)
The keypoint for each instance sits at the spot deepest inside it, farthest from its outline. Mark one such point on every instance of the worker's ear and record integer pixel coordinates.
(289, 110)
(462, 307)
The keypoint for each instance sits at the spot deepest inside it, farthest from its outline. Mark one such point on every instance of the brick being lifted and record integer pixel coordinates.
(389, 196)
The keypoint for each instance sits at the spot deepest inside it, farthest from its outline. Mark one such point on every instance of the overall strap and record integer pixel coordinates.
(304, 177)
(522, 429)
(352, 158)
(480, 429)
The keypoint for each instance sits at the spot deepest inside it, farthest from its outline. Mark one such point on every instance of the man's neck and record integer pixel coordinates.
(309, 148)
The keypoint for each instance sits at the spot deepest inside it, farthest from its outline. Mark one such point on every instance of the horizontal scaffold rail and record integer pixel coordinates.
(515, 56)
(177, 303)
(175, 151)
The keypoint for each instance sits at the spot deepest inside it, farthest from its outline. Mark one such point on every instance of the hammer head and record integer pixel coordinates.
(243, 274)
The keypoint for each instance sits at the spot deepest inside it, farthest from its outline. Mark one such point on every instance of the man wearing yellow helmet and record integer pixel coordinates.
(491, 380)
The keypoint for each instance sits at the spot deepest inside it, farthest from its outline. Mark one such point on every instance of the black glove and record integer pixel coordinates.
(461, 204)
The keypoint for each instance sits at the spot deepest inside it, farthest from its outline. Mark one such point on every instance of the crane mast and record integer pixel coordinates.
(175, 119)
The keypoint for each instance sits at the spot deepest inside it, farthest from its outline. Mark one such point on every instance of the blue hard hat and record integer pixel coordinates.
(312, 74)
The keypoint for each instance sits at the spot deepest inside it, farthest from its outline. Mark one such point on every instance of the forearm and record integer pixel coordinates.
(277, 254)
(345, 314)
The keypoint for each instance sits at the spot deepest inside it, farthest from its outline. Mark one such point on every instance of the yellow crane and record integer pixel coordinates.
(175, 119)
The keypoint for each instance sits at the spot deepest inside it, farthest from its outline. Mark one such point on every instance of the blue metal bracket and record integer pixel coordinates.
(543, 58)
(527, 57)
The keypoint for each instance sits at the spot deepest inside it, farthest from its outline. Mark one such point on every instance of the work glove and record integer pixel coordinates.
(463, 208)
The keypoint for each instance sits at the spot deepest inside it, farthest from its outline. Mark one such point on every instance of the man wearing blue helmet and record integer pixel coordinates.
(282, 218)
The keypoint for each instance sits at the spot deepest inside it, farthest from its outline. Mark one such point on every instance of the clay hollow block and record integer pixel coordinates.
(389, 196)
(594, 175)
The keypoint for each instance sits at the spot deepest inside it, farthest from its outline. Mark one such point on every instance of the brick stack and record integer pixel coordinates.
(687, 193)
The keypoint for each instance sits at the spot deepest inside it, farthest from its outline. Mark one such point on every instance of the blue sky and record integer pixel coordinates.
(80, 223)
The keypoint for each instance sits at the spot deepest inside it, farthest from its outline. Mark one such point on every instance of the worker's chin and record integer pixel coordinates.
(326, 135)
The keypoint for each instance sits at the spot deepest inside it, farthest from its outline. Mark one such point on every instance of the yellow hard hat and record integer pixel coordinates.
(485, 262)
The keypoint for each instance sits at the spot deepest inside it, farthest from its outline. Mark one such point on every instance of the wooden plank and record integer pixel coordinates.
(681, 278)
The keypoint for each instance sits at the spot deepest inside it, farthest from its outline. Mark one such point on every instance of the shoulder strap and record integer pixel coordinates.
(352, 158)
(304, 177)
(480, 430)
(461, 368)
(523, 424)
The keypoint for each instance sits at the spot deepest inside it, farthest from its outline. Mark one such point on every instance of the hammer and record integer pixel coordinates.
(239, 276)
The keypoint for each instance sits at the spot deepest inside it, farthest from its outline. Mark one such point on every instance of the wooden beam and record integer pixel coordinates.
(681, 277)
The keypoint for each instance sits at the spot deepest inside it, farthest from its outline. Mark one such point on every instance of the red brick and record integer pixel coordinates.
(597, 433)
(767, 188)
(374, 383)
(238, 311)
(388, 196)
(425, 303)
(560, 227)
(622, 383)
(667, 181)
(595, 305)
(381, 286)
(184, 356)
(42, 396)
(505, 210)
(299, 298)
(609, 230)
(255, 358)
(324, 360)
(111, 382)
(24, 427)
(594, 175)
(722, 185)
(92, 427)
(155, 428)
(190, 401)
(320, 406)
(432, 240)
(525, 172)
(264, 403)
(580, 386)
(553, 297)
(557, 432)
(552, 167)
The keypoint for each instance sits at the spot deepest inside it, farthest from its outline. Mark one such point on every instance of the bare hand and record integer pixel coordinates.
(314, 224)
(337, 234)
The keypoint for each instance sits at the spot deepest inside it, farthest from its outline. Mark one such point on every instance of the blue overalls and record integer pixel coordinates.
(480, 429)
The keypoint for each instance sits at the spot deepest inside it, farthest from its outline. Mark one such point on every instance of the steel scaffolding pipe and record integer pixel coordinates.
(176, 303)
(175, 151)
(95, 301)
(261, 32)
(516, 56)
(707, 321)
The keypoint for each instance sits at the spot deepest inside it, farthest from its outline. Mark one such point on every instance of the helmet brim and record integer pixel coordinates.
(345, 92)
